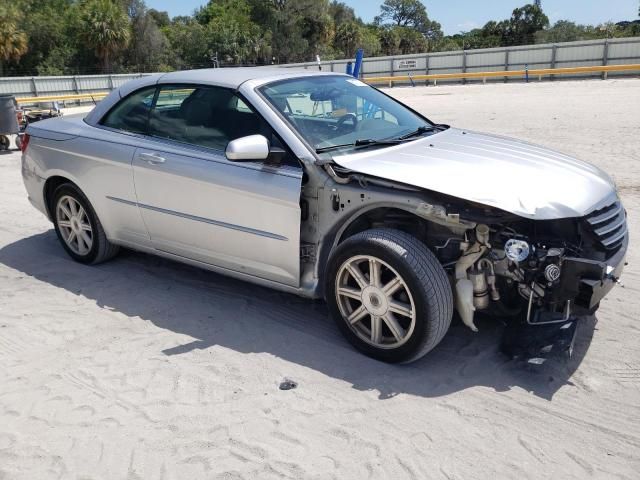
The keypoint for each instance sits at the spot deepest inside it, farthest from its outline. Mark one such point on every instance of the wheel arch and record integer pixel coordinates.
(364, 217)
(50, 186)
(356, 222)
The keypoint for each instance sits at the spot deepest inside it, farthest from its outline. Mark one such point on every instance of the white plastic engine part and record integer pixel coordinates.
(464, 302)
(480, 289)
(487, 266)
(464, 287)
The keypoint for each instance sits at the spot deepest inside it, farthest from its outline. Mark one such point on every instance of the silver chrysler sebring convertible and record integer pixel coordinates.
(320, 185)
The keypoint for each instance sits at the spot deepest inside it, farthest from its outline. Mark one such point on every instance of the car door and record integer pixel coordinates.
(240, 216)
(104, 160)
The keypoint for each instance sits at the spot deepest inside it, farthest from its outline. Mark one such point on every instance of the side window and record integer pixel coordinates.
(131, 113)
(204, 116)
(241, 106)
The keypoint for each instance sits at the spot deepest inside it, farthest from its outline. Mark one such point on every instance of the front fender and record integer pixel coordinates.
(340, 206)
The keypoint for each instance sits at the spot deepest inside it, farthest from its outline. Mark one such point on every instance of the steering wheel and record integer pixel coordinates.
(344, 118)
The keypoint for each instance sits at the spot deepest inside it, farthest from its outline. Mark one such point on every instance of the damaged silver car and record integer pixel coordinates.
(320, 185)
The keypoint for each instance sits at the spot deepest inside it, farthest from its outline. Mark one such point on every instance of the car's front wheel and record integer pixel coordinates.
(389, 295)
(78, 227)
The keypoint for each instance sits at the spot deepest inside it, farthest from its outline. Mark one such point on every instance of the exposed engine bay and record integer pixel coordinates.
(535, 273)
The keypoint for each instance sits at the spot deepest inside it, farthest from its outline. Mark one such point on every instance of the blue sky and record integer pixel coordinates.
(457, 15)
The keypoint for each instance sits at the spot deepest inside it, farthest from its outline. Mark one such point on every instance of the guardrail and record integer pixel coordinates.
(540, 72)
(59, 98)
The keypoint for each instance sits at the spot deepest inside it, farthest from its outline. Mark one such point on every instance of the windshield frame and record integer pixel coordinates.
(259, 91)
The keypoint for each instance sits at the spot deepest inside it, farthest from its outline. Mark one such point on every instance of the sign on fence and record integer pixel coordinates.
(406, 64)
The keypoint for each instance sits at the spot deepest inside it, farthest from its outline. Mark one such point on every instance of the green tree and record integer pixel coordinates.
(389, 41)
(44, 34)
(449, 44)
(410, 13)
(189, 43)
(231, 33)
(13, 41)
(106, 28)
(478, 38)
(563, 31)
(348, 38)
(161, 18)
(149, 48)
(59, 61)
(371, 41)
(523, 25)
(631, 30)
(411, 40)
(493, 33)
(300, 29)
(342, 13)
(403, 13)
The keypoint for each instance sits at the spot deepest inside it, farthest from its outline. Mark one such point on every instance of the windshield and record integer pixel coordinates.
(337, 111)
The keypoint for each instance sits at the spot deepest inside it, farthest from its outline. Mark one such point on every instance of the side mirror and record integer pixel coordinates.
(251, 148)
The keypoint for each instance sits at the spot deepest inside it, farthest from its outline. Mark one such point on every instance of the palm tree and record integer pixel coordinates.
(106, 29)
(348, 37)
(13, 42)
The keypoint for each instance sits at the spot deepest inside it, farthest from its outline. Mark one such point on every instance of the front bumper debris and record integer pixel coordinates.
(537, 343)
(541, 333)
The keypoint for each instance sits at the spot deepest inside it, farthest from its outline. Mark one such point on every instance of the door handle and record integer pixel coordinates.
(152, 158)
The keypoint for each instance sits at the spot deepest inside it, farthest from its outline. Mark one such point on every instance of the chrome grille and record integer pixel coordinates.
(609, 225)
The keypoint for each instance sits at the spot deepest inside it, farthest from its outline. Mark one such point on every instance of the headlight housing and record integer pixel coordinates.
(516, 250)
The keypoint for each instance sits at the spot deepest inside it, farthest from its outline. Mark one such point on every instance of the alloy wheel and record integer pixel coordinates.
(375, 301)
(74, 225)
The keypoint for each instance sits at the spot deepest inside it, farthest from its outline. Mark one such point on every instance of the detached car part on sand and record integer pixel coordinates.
(320, 185)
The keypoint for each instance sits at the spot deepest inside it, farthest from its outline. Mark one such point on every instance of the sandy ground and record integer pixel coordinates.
(146, 369)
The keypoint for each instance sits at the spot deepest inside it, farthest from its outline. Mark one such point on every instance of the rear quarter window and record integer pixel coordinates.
(131, 114)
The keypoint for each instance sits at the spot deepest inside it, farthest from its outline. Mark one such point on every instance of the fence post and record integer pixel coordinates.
(554, 49)
(75, 85)
(464, 65)
(391, 70)
(605, 57)
(426, 69)
(506, 63)
(110, 82)
(331, 66)
(34, 87)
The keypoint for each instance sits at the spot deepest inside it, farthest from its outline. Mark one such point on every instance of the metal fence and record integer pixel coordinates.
(616, 51)
(64, 85)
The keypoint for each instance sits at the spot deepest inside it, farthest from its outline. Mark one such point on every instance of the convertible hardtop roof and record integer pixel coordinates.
(234, 77)
(222, 77)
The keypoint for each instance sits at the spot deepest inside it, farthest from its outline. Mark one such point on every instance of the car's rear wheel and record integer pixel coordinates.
(78, 227)
(389, 295)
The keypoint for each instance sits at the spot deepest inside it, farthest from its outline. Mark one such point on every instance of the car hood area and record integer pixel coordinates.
(514, 176)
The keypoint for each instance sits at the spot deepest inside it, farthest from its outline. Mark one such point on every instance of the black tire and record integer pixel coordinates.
(421, 272)
(5, 143)
(101, 249)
